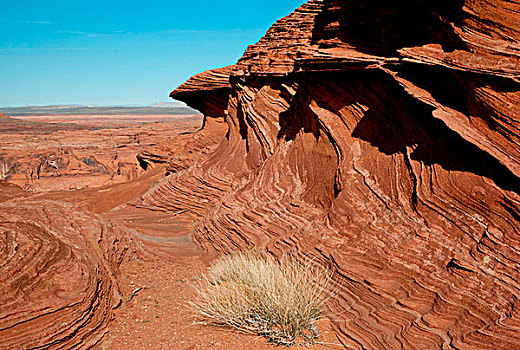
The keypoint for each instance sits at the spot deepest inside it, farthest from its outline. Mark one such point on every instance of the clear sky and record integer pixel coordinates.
(108, 52)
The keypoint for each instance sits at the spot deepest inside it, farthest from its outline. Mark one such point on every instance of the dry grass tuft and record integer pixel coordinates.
(254, 293)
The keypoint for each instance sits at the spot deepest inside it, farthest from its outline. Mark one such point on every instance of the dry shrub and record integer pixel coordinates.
(254, 293)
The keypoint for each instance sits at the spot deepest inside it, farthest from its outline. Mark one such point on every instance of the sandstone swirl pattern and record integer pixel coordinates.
(384, 138)
(57, 271)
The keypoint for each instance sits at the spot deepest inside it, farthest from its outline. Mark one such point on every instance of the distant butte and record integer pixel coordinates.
(382, 138)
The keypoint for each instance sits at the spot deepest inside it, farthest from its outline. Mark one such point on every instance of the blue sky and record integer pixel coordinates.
(121, 52)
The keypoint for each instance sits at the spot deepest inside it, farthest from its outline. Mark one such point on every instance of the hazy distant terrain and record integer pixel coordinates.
(96, 110)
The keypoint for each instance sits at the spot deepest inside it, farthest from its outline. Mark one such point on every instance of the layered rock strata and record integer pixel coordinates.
(58, 275)
(46, 156)
(60, 263)
(384, 138)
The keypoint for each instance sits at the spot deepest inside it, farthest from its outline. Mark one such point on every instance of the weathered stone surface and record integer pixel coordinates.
(42, 153)
(384, 138)
(57, 272)
(59, 262)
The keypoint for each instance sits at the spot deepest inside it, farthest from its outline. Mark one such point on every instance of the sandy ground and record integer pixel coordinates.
(158, 315)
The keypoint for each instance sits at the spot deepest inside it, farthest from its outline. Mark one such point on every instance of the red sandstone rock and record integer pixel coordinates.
(383, 138)
(73, 152)
(8, 191)
(59, 264)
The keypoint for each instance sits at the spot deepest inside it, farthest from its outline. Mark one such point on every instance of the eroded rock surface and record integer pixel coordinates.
(42, 153)
(60, 262)
(58, 268)
(384, 138)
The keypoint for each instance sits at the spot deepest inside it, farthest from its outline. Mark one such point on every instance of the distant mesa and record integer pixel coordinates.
(168, 104)
(156, 109)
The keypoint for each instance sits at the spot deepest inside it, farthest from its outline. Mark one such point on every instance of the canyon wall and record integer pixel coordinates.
(384, 139)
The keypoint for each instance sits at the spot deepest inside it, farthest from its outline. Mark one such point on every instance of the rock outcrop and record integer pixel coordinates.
(58, 268)
(384, 138)
(43, 156)
(60, 264)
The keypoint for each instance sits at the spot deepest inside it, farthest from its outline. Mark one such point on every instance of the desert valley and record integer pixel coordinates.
(71, 169)
(380, 146)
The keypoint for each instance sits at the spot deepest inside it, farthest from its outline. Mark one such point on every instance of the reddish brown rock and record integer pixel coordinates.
(59, 262)
(58, 270)
(384, 138)
(8, 191)
(42, 153)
